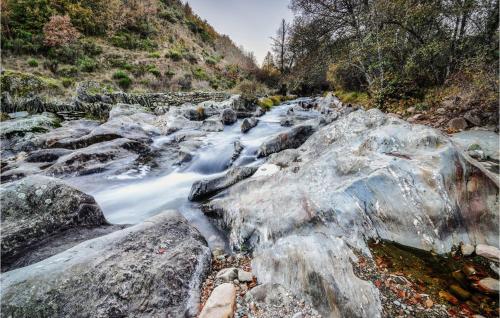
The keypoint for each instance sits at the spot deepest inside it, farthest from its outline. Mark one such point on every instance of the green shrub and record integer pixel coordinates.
(132, 41)
(212, 60)
(174, 55)
(265, 103)
(169, 73)
(155, 55)
(276, 99)
(67, 82)
(200, 74)
(87, 64)
(154, 70)
(119, 75)
(90, 48)
(68, 71)
(32, 63)
(122, 78)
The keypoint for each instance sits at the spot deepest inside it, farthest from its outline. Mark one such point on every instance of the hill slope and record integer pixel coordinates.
(151, 45)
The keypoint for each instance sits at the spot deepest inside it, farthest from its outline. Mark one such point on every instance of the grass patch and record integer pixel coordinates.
(265, 103)
(32, 63)
(350, 97)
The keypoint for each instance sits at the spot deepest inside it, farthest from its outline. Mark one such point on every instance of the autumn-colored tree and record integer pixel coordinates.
(59, 31)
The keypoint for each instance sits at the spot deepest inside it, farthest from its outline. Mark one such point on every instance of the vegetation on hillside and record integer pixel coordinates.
(151, 45)
(390, 54)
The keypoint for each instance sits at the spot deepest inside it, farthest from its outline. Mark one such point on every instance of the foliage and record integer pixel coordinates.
(122, 79)
(32, 62)
(87, 64)
(59, 31)
(265, 103)
(389, 50)
(132, 41)
(199, 73)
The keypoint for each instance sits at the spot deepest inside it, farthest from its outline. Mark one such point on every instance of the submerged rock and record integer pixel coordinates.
(291, 139)
(205, 188)
(152, 269)
(37, 207)
(212, 124)
(366, 175)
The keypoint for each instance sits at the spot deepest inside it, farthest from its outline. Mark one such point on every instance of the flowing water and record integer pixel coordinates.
(133, 196)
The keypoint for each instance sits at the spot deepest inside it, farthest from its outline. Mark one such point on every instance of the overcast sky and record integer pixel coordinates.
(250, 23)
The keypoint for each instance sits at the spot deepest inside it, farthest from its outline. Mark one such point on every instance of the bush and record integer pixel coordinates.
(68, 71)
(250, 90)
(122, 78)
(155, 55)
(276, 99)
(265, 103)
(59, 31)
(154, 70)
(119, 75)
(132, 41)
(87, 64)
(200, 74)
(67, 82)
(169, 73)
(174, 55)
(186, 82)
(32, 63)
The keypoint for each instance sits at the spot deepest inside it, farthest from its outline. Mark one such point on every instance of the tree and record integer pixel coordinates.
(280, 46)
(59, 31)
(268, 63)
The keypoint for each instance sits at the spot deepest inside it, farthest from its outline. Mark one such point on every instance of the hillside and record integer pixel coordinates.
(49, 46)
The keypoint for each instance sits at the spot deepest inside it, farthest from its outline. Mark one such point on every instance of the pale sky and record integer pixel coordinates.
(250, 23)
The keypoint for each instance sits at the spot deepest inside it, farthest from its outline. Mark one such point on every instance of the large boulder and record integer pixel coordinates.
(366, 175)
(37, 207)
(33, 123)
(110, 155)
(228, 116)
(153, 269)
(205, 188)
(291, 139)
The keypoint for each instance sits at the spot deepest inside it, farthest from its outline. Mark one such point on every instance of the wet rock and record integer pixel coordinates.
(212, 124)
(37, 207)
(457, 124)
(467, 249)
(47, 155)
(354, 179)
(291, 139)
(459, 292)
(205, 188)
(99, 157)
(248, 123)
(287, 122)
(266, 170)
(488, 251)
(34, 123)
(193, 113)
(162, 260)
(221, 303)
(227, 275)
(489, 285)
(228, 116)
(244, 276)
(238, 148)
(472, 118)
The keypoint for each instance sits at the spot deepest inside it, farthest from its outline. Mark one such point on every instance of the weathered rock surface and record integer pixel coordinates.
(205, 188)
(99, 157)
(291, 139)
(457, 123)
(33, 123)
(221, 303)
(228, 116)
(488, 251)
(366, 175)
(248, 123)
(227, 275)
(37, 207)
(212, 124)
(153, 269)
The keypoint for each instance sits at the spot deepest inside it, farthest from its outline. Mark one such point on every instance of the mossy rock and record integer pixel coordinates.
(4, 116)
(19, 84)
